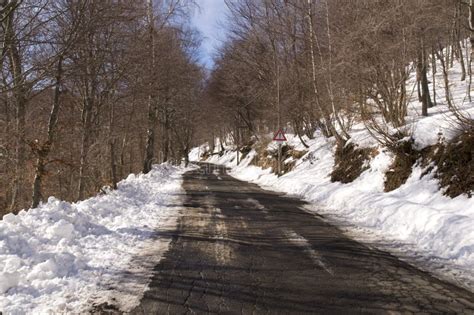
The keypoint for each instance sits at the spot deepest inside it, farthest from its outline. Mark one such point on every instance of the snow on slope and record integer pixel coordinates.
(63, 257)
(415, 221)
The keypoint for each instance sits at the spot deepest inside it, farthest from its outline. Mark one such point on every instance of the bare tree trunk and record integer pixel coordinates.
(60, 187)
(90, 86)
(166, 138)
(422, 69)
(448, 56)
(469, 73)
(152, 115)
(112, 142)
(450, 50)
(328, 126)
(43, 152)
(342, 128)
(150, 141)
(441, 57)
(471, 28)
(113, 166)
(298, 130)
(86, 121)
(125, 142)
(132, 155)
(433, 73)
(418, 84)
(461, 60)
(186, 156)
(457, 41)
(19, 93)
(122, 156)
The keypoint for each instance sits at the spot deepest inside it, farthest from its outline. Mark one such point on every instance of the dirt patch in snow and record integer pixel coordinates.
(269, 158)
(454, 164)
(245, 149)
(402, 167)
(350, 162)
(104, 308)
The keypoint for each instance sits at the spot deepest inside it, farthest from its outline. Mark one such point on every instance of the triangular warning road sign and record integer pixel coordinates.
(279, 136)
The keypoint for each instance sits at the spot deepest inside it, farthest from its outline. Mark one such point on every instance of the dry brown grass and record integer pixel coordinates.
(350, 162)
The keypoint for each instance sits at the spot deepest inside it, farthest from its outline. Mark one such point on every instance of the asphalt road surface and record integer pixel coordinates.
(243, 250)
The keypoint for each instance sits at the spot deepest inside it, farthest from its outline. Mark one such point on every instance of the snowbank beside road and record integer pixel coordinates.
(63, 257)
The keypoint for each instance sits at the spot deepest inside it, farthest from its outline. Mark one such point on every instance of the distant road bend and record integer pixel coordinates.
(239, 249)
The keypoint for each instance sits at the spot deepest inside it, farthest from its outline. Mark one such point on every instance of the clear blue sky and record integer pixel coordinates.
(209, 19)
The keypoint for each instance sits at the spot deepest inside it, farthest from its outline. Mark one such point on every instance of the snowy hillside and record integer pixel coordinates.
(62, 257)
(419, 222)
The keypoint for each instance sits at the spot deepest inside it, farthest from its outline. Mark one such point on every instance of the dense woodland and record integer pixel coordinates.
(92, 91)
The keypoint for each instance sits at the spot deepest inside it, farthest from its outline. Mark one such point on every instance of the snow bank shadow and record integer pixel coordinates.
(121, 289)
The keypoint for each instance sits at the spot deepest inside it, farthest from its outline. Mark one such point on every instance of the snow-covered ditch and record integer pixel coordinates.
(64, 258)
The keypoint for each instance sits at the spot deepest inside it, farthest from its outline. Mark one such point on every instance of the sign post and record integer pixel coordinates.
(279, 159)
(280, 138)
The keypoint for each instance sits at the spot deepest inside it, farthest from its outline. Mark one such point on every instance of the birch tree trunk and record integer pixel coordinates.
(471, 27)
(433, 73)
(344, 135)
(329, 129)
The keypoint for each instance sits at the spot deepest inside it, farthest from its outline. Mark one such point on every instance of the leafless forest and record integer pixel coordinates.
(92, 91)
(87, 88)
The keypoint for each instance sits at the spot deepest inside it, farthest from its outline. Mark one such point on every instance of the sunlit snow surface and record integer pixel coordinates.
(415, 221)
(63, 257)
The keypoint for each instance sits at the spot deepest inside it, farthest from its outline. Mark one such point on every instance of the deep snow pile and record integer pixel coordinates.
(63, 257)
(416, 220)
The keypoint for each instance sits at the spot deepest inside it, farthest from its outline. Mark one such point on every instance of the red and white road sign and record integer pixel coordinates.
(279, 136)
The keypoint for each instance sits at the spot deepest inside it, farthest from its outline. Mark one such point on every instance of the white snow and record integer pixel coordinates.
(415, 221)
(63, 257)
